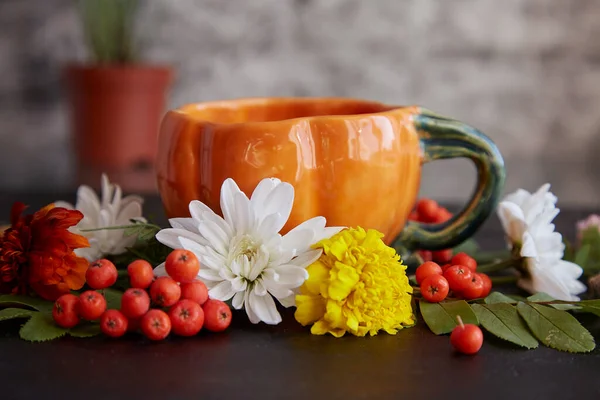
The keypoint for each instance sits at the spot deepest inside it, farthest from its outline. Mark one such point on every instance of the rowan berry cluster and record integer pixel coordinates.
(178, 303)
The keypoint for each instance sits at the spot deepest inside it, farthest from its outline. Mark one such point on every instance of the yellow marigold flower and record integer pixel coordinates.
(359, 285)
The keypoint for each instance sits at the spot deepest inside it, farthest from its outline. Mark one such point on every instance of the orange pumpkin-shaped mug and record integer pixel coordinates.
(355, 162)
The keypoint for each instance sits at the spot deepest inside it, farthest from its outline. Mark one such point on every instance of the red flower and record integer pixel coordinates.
(36, 253)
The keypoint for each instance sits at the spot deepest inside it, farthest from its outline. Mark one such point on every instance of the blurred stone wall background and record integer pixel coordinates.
(526, 72)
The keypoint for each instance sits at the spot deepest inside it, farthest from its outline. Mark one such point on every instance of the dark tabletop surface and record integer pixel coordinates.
(287, 362)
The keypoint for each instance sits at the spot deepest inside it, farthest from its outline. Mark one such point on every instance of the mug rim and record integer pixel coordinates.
(189, 111)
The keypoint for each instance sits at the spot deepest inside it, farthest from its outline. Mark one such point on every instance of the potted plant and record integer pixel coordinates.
(116, 100)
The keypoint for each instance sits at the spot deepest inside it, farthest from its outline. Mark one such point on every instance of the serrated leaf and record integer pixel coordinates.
(441, 317)
(131, 231)
(503, 320)
(41, 328)
(13, 300)
(517, 297)
(542, 297)
(113, 298)
(556, 328)
(11, 313)
(85, 330)
(497, 297)
(590, 306)
(146, 234)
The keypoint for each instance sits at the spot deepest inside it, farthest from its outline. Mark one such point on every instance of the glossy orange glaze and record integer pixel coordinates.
(357, 163)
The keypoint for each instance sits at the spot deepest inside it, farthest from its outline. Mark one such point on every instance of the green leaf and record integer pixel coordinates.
(441, 317)
(469, 246)
(517, 297)
(11, 313)
(113, 298)
(590, 238)
(497, 297)
(85, 330)
(569, 254)
(582, 255)
(502, 320)
(41, 328)
(556, 328)
(590, 306)
(542, 297)
(13, 300)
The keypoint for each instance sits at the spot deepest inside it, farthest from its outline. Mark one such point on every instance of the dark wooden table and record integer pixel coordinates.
(286, 362)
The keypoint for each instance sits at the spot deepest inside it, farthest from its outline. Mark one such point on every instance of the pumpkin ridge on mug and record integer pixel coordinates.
(354, 162)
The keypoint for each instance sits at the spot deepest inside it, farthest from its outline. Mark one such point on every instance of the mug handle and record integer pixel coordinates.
(447, 138)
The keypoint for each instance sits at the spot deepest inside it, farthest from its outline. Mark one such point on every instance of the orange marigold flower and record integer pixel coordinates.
(36, 253)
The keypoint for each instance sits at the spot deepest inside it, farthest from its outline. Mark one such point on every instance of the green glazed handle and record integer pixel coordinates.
(447, 138)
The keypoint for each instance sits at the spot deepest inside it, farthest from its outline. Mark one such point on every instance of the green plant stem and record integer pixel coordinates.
(122, 227)
(501, 280)
(499, 266)
(491, 256)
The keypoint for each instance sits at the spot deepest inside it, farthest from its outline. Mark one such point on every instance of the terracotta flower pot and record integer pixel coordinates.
(115, 118)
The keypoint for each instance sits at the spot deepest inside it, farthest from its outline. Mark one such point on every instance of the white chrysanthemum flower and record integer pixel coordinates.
(109, 211)
(527, 221)
(243, 255)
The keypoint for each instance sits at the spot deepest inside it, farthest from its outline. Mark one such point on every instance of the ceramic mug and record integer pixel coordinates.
(355, 162)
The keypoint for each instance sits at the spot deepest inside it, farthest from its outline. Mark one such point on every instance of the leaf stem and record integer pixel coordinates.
(491, 256)
(123, 227)
(500, 280)
(499, 266)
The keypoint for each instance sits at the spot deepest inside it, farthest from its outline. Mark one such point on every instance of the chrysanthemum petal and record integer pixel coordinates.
(309, 309)
(291, 276)
(127, 213)
(252, 317)
(318, 273)
(528, 248)
(288, 301)
(188, 224)
(209, 275)
(170, 237)
(238, 300)
(223, 291)
(280, 293)
(300, 240)
(327, 232)
(197, 208)
(87, 201)
(512, 218)
(270, 225)
(259, 288)
(264, 307)
(307, 258)
(244, 221)
(215, 236)
(201, 212)
(280, 200)
(258, 264)
(229, 190)
(238, 284)
(259, 196)
(160, 270)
